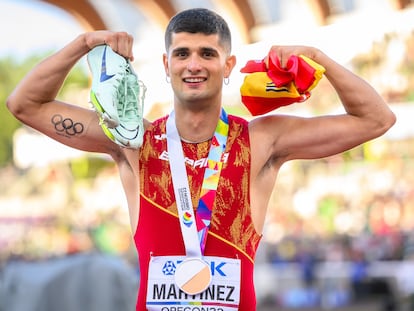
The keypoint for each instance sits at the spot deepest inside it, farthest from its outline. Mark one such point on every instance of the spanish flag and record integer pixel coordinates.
(269, 86)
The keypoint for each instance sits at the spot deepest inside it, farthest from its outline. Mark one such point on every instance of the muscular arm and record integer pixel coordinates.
(367, 117)
(34, 103)
(276, 139)
(34, 100)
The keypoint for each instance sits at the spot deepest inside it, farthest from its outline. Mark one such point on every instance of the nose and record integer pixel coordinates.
(193, 65)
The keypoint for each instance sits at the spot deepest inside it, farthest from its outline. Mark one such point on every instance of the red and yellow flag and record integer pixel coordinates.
(269, 86)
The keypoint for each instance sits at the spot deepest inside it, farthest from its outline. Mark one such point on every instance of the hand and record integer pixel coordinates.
(283, 53)
(120, 42)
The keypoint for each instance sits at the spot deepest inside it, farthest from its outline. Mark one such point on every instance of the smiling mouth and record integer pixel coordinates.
(194, 80)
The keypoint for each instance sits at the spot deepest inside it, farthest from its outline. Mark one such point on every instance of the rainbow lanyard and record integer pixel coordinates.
(195, 232)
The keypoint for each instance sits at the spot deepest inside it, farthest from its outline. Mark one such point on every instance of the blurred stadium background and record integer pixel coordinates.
(339, 232)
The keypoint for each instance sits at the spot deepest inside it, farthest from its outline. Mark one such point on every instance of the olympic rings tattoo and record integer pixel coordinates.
(66, 125)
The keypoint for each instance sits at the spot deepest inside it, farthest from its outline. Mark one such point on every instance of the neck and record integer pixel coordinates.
(196, 127)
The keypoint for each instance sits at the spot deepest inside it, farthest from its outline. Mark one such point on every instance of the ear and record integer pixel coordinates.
(229, 65)
(165, 61)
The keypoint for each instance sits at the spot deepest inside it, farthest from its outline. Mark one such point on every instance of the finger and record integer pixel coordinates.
(125, 42)
(282, 60)
(266, 61)
(130, 47)
(276, 57)
(112, 43)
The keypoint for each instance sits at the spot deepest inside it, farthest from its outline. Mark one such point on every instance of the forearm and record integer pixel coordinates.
(44, 81)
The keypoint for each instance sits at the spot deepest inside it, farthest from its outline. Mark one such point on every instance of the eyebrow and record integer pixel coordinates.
(179, 50)
(209, 50)
(202, 49)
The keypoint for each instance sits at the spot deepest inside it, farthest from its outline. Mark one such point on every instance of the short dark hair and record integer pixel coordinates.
(199, 20)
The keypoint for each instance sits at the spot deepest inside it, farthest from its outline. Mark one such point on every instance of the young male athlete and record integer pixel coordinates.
(208, 266)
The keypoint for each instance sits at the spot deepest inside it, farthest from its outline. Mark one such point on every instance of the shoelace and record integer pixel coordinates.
(141, 97)
(126, 97)
(130, 97)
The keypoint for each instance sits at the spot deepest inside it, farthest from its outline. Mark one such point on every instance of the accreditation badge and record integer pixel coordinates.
(193, 284)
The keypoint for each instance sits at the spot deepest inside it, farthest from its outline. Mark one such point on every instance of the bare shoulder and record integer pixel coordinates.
(266, 135)
(270, 145)
(128, 157)
(146, 124)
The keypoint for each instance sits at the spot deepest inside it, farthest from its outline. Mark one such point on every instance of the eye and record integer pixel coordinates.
(180, 53)
(208, 54)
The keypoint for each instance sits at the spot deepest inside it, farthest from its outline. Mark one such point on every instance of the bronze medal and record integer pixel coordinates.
(193, 276)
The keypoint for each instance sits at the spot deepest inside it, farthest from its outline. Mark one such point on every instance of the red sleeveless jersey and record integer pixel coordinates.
(231, 233)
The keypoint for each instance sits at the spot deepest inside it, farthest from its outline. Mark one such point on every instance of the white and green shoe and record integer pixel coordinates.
(117, 96)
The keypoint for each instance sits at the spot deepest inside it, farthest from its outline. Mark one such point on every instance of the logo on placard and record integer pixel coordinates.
(169, 268)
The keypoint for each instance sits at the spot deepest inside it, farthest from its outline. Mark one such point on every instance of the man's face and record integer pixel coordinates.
(197, 64)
